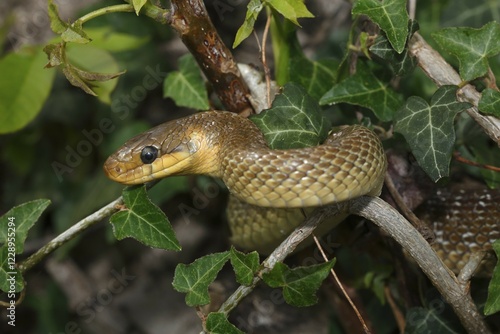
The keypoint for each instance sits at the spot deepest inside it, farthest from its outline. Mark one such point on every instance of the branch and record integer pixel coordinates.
(439, 71)
(284, 249)
(396, 226)
(392, 223)
(190, 19)
(70, 233)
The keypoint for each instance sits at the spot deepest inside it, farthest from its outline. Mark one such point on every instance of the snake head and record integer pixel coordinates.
(166, 150)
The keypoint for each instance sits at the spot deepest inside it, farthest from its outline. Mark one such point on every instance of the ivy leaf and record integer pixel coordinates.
(143, 221)
(11, 278)
(428, 129)
(400, 64)
(21, 218)
(253, 10)
(458, 13)
(493, 301)
(366, 90)
(315, 76)
(244, 265)
(299, 284)
(217, 323)
(295, 120)
(186, 86)
(24, 87)
(194, 278)
(138, 4)
(490, 102)
(291, 9)
(390, 15)
(471, 46)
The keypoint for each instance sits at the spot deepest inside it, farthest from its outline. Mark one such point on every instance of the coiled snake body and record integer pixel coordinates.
(274, 184)
(349, 164)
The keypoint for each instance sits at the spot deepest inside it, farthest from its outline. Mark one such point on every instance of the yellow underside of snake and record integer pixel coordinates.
(269, 188)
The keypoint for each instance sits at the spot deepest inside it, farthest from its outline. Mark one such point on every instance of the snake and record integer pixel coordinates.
(270, 190)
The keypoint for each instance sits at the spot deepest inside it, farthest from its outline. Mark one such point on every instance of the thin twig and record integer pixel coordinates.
(267, 73)
(346, 295)
(423, 228)
(70, 233)
(283, 250)
(461, 159)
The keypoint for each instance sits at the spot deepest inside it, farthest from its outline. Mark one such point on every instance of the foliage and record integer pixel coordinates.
(118, 62)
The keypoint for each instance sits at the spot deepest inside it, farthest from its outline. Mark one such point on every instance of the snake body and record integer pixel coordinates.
(465, 221)
(271, 188)
(351, 163)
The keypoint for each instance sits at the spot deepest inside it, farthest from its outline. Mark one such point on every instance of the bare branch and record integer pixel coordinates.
(191, 20)
(397, 227)
(70, 233)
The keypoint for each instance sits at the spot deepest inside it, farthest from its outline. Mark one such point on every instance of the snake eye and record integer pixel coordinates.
(149, 154)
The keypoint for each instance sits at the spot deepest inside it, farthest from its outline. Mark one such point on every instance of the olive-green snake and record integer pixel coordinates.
(274, 184)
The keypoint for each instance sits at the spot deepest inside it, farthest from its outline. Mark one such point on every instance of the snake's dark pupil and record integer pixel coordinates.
(149, 154)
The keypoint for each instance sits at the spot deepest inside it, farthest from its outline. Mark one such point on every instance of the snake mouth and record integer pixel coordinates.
(132, 172)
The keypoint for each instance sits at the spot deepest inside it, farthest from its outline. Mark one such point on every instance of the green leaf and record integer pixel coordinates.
(106, 38)
(429, 320)
(291, 9)
(428, 129)
(253, 9)
(245, 265)
(55, 53)
(138, 4)
(56, 24)
(295, 120)
(299, 284)
(366, 90)
(493, 301)
(143, 221)
(400, 64)
(458, 13)
(11, 279)
(76, 80)
(186, 86)
(194, 278)
(315, 76)
(217, 323)
(490, 102)
(390, 15)
(24, 87)
(472, 47)
(86, 58)
(75, 34)
(19, 220)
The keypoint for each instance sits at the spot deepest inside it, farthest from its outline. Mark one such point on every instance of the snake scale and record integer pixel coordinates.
(269, 188)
